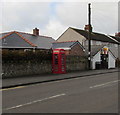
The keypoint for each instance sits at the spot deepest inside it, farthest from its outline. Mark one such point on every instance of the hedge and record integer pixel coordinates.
(21, 56)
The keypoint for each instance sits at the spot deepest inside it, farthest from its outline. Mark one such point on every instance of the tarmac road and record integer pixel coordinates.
(91, 94)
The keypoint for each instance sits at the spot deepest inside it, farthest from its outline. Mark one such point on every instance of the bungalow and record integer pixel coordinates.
(70, 47)
(103, 57)
(20, 40)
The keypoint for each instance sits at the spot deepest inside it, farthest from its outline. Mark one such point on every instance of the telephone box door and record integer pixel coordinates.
(59, 61)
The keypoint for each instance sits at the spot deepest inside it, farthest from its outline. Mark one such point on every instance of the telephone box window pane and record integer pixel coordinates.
(56, 58)
(62, 58)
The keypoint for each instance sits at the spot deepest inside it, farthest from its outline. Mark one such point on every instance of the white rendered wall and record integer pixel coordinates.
(111, 61)
(95, 59)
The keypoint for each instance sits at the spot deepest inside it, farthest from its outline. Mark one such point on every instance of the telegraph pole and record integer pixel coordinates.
(89, 36)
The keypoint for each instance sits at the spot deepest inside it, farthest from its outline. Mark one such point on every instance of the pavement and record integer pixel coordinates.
(28, 80)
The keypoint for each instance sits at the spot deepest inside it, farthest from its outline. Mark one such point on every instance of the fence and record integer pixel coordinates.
(20, 63)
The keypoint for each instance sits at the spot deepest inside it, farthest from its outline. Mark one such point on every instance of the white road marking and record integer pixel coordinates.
(36, 101)
(104, 84)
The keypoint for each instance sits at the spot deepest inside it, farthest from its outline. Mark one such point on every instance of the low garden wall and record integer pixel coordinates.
(74, 63)
(11, 69)
(21, 63)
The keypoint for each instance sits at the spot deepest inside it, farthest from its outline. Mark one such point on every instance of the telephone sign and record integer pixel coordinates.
(59, 61)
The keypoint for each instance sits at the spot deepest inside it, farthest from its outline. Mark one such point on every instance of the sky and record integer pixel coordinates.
(53, 17)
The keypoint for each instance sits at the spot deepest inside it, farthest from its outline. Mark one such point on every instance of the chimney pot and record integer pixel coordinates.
(36, 32)
(117, 34)
(88, 27)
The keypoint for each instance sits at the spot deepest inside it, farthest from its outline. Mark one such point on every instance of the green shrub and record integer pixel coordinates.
(18, 56)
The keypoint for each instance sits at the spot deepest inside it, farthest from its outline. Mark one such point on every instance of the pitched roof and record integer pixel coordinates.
(41, 41)
(95, 36)
(94, 49)
(24, 40)
(13, 40)
(3, 35)
(66, 44)
(116, 38)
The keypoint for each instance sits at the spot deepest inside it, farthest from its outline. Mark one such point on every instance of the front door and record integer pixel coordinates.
(104, 61)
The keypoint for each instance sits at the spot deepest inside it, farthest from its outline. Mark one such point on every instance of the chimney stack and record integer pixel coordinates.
(87, 27)
(36, 32)
(117, 34)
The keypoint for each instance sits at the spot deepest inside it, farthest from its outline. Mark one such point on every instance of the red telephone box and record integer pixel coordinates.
(59, 61)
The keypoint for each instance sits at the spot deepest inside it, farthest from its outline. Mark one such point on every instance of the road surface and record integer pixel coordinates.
(90, 94)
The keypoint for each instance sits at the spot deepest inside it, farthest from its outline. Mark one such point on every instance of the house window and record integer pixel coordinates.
(98, 43)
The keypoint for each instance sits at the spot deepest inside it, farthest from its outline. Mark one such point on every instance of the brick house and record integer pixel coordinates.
(70, 47)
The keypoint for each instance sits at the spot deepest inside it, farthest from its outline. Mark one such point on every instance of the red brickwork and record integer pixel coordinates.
(75, 50)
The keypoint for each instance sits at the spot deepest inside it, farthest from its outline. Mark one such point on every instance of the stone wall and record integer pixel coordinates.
(76, 66)
(22, 69)
(76, 63)
(28, 68)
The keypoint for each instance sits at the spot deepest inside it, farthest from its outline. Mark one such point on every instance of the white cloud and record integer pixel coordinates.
(26, 1)
(54, 19)
(19, 16)
(104, 15)
(72, 14)
(54, 28)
